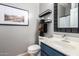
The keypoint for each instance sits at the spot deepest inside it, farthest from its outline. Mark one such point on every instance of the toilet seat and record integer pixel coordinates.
(33, 49)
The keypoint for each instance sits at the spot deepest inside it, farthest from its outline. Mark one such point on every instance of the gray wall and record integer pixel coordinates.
(42, 8)
(14, 40)
(61, 11)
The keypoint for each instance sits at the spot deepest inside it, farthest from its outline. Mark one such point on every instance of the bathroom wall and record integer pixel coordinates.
(14, 40)
(64, 9)
(61, 11)
(42, 8)
(67, 9)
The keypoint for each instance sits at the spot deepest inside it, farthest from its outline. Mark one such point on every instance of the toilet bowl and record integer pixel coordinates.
(34, 50)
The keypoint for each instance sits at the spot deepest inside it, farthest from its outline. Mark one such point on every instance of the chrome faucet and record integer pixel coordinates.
(64, 35)
(65, 38)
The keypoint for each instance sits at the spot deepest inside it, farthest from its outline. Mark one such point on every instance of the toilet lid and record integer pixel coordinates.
(34, 47)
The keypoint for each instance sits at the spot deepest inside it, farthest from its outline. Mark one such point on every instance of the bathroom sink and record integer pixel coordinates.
(66, 41)
(69, 46)
(64, 44)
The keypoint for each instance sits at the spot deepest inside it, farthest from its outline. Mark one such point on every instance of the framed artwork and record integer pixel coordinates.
(13, 16)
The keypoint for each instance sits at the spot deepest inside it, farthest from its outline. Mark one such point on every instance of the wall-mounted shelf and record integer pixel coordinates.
(48, 21)
(48, 11)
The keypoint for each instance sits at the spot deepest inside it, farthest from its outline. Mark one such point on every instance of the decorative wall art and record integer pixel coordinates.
(12, 15)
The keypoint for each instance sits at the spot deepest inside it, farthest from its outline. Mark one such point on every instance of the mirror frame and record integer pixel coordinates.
(68, 30)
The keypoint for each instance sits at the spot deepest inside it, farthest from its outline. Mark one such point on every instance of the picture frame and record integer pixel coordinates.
(10, 15)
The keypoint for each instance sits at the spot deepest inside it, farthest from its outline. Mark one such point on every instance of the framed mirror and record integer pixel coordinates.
(66, 17)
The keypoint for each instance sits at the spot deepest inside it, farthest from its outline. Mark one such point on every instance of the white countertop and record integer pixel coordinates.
(70, 49)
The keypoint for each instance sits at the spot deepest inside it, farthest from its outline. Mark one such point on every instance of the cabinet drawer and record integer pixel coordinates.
(50, 51)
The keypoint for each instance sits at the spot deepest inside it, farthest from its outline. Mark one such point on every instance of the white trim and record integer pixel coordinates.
(22, 54)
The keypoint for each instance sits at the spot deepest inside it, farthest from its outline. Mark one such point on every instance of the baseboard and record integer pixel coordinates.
(22, 54)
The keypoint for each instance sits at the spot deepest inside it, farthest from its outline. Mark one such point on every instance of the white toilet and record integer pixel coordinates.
(34, 50)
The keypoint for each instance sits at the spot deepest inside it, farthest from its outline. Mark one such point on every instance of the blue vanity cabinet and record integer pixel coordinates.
(48, 51)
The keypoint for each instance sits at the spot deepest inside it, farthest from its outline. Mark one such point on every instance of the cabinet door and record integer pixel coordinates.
(74, 18)
(43, 53)
(48, 51)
